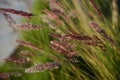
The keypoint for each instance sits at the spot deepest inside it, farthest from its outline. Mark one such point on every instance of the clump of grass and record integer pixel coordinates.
(85, 43)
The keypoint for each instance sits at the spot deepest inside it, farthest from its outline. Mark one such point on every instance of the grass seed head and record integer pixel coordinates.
(42, 67)
(97, 9)
(28, 44)
(17, 12)
(9, 74)
(27, 26)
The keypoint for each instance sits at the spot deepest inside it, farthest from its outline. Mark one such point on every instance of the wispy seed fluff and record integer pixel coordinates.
(27, 26)
(42, 67)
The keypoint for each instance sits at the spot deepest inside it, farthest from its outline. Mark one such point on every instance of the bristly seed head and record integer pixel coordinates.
(53, 16)
(98, 29)
(27, 26)
(9, 74)
(16, 60)
(93, 41)
(26, 53)
(97, 9)
(55, 5)
(79, 37)
(63, 48)
(28, 44)
(13, 11)
(58, 36)
(42, 67)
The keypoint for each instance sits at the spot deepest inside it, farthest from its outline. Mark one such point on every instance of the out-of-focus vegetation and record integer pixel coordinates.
(82, 35)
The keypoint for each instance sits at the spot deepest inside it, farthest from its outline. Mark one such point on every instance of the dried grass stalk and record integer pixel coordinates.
(9, 19)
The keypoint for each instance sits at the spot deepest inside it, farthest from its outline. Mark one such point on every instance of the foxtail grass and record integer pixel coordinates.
(78, 40)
